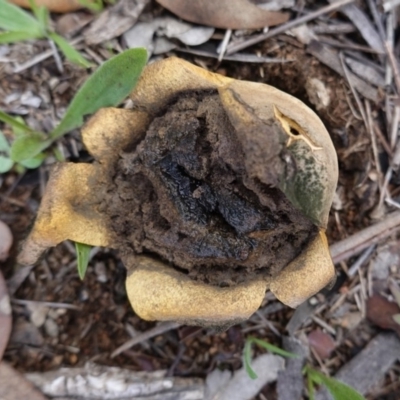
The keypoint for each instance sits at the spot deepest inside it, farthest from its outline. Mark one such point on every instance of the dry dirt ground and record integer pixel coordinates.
(59, 320)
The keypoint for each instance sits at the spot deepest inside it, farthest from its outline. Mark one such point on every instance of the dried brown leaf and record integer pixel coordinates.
(226, 14)
(13, 386)
(322, 343)
(5, 316)
(380, 311)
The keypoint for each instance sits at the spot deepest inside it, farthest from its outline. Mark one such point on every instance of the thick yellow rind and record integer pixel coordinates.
(242, 99)
(306, 275)
(111, 129)
(68, 211)
(161, 81)
(159, 293)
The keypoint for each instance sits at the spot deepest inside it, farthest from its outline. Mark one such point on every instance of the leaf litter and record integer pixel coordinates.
(84, 333)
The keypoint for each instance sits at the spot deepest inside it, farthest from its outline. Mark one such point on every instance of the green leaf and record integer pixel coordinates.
(13, 18)
(70, 53)
(41, 14)
(310, 386)
(396, 318)
(247, 360)
(83, 253)
(338, 390)
(15, 36)
(27, 147)
(96, 5)
(5, 161)
(5, 164)
(4, 146)
(34, 162)
(270, 347)
(15, 123)
(107, 87)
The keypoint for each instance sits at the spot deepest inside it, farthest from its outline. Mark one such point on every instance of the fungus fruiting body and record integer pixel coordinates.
(213, 190)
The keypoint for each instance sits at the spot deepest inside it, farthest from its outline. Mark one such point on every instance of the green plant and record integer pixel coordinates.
(338, 390)
(106, 87)
(95, 5)
(83, 255)
(19, 25)
(6, 162)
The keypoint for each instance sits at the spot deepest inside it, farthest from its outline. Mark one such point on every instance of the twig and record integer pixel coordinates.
(389, 50)
(221, 50)
(41, 57)
(56, 56)
(157, 330)
(389, 5)
(360, 261)
(394, 127)
(361, 240)
(289, 25)
(50, 304)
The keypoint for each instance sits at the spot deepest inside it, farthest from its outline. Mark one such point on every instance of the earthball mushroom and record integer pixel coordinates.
(213, 190)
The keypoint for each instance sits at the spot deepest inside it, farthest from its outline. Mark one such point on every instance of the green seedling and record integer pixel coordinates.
(106, 87)
(6, 162)
(19, 25)
(338, 390)
(95, 5)
(83, 256)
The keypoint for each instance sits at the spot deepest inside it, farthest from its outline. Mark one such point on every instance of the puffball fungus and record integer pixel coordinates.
(212, 189)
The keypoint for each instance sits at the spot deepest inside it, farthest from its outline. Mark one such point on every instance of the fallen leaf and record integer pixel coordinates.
(6, 240)
(146, 34)
(226, 14)
(13, 386)
(380, 311)
(5, 316)
(322, 343)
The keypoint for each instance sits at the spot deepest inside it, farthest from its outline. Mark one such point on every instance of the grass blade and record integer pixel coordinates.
(14, 123)
(83, 253)
(108, 86)
(247, 360)
(13, 18)
(41, 14)
(271, 348)
(70, 53)
(27, 147)
(338, 390)
(15, 36)
(5, 162)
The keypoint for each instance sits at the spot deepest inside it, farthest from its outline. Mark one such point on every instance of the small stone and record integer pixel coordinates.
(318, 93)
(38, 313)
(51, 328)
(101, 272)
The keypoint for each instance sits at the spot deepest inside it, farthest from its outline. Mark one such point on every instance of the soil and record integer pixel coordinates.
(184, 194)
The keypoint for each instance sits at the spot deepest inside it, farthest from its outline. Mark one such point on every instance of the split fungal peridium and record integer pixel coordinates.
(213, 190)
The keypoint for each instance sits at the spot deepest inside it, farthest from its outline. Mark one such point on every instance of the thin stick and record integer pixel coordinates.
(289, 25)
(354, 244)
(50, 304)
(157, 330)
(224, 44)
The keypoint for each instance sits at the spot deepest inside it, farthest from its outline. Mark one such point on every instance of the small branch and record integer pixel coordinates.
(354, 244)
(289, 25)
(157, 330)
